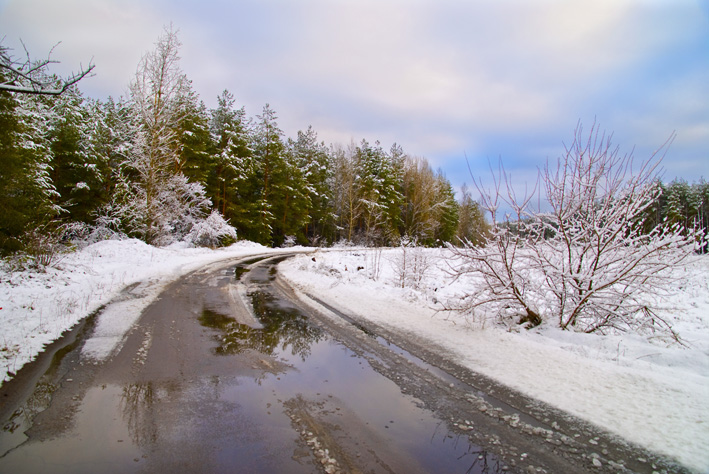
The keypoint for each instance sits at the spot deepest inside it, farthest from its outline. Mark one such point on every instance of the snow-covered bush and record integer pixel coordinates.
(108, 224)
(411, 263)
(214, 231)
(289, 241)
(586, 265)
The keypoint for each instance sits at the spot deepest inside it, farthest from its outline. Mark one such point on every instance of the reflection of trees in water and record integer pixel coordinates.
(137, 402)
(39, 401)
(481, 460)
(282, 328)
(148, 407)
(43, 391)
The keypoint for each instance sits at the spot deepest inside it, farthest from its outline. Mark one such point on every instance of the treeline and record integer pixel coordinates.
(157, 164)
(681, 203)
(160, 166)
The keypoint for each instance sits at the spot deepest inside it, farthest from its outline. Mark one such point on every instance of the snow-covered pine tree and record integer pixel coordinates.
(377, 185)
(446, 211)
(271, 171)
(195, 141)
(234, 182)
(26, 192)
(681, 204)
(311, 157)
(79, 173)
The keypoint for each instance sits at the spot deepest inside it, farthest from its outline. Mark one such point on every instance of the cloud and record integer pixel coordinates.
(441, 78)
(113, 34)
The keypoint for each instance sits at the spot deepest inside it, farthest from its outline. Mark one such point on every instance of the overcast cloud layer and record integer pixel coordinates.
(444, 79)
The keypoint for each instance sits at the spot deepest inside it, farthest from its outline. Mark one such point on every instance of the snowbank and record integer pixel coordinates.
(36, 308)
(648, 390)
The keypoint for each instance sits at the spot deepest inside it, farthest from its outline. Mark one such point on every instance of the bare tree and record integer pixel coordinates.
(30, 76)
(159, 202)
(348, 207)
(420, 191)
(588, 264)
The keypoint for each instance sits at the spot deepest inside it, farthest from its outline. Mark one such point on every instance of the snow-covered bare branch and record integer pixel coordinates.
(589, 263)
(31, 76)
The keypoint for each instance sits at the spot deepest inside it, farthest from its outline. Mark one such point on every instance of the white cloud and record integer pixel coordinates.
(115, 34)
(439, 77)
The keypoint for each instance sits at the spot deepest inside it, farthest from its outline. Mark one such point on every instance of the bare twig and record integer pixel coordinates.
(31, 77)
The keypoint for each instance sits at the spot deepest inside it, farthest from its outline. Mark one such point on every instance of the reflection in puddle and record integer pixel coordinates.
(13, 430)
(245, 266)
(98, 442)
(346, 415)
(37, 402)
(285, 329)
(136, 404)
(239, 270)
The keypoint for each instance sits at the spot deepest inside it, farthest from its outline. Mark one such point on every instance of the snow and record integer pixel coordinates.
(647, 389)
(644, 388)
(36, 308)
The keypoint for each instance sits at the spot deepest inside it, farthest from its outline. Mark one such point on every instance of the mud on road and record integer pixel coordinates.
(231, 370)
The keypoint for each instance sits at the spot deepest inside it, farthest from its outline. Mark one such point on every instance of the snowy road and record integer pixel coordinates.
(230, 371)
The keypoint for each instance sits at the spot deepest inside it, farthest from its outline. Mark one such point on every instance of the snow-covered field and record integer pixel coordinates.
(648, 390)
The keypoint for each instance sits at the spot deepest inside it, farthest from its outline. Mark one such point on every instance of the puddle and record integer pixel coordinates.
(245, 265)
(283, 329)
(439, 373)
(212, 319)
(337, 401)
(12, 432)
(239, 271)
(110, 450)
(333, 399)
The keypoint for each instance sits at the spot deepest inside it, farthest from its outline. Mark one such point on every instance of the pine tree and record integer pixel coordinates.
(22, 202)
(78, 172)
(682, 204)
(195, 144)
(271, 172)
(446, 211)
(309, 161)
(377, 188)
(233, 183)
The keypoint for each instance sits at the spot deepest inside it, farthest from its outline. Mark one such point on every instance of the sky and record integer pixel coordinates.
(462, 83)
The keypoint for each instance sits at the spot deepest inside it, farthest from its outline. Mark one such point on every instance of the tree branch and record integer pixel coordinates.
(31, 77)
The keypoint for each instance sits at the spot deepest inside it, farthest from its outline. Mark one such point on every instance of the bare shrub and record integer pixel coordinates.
(587, 264)
(45, 246)
(411, 264)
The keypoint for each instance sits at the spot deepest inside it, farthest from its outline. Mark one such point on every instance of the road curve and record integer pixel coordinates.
(231, 370)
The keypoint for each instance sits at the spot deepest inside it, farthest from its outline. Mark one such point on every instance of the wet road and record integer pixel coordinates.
(228, 372)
